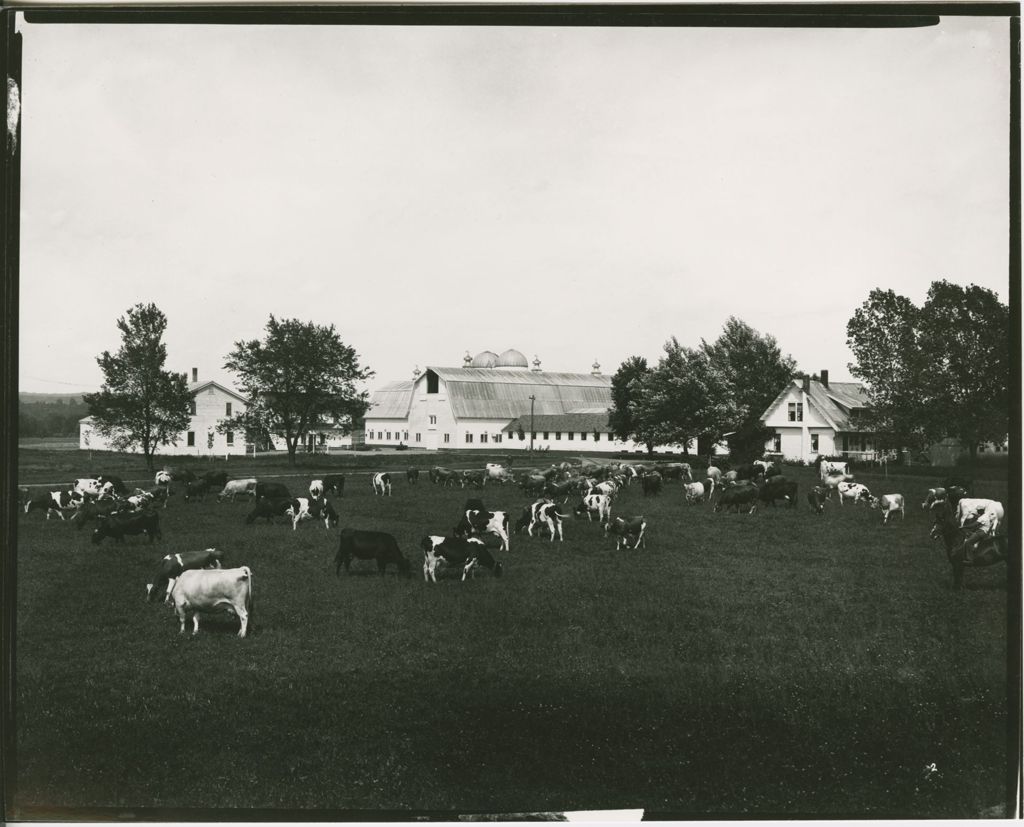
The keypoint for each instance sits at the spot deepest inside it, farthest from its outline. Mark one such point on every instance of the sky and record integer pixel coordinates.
(574, 193)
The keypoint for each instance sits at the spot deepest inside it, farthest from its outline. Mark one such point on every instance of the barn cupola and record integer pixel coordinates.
(416, 373)
(595, 369)
(536, 364)
(467, 360)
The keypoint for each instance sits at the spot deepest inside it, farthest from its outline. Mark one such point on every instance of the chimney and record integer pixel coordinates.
(195, 374)
(536, 364)
(824, 378)
(807, 383)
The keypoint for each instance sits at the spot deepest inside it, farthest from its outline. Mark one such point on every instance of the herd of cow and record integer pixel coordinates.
(195, 582)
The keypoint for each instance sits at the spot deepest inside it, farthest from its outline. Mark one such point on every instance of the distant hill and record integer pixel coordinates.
(49, 414)
(66, 398)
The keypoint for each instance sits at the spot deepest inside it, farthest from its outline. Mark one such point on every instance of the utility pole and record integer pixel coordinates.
(532, 400)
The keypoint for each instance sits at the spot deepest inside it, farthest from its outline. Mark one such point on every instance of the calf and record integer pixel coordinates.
(267, 509)
(171, 567)
(630, 529)
(987, 514)
(736, 497)
(549, 515)
(456, 551)
(651, 483)
(889, 503)
(55, 502)
(118, 525)
(785, 490)
(412, 476)
(855, 491)
(196, 490)
(206, 590)
(693, 492)
(816, 499)
(599, 504)
(234, 488)
(368, 545)
(485, 522)
(381, 482)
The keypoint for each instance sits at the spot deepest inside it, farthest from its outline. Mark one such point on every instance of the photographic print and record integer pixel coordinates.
(510, 412)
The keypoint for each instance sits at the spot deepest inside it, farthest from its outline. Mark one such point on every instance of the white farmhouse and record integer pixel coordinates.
(211, 403)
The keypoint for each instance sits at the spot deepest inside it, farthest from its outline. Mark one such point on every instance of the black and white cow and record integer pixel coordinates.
(369, 545)
(171, 567)
(456, 551)
(55, 502)
(118, 525)
(625, 531)
(87, 487)
(549, 515)
(599, 504)
(304, 508)
(210, 590)
(485, 522)
(111, 486)
(381, 482)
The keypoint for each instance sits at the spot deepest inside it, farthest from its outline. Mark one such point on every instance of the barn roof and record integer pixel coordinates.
(483, 393)
(391, 401)
(574, 421)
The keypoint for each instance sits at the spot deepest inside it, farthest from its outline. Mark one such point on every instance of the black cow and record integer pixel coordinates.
(273, 490)
(677, 471)
(334, 483)
(174, 564)
(369, 545)
(118, 525)
(196, 490)
(267, 508)
(736, 496)
(412, 476)
(91, 511)
(456, 551)
(786, 490)
(651, 483)
(816, 499)
(215, 479)
(474, 504)
(179, 475)
(749, 472)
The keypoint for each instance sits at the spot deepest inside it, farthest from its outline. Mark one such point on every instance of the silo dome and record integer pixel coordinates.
(485, 359)
(512, 358)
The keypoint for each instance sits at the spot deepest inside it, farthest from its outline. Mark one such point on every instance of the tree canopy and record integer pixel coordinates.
(140, 405)
(299, 375)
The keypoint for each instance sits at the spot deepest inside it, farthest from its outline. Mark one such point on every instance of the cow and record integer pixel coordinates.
(832, 482)
(855, 491)
(334, 484)
(412, 475)
(677, 471)
(533, 484)
(181, 475)
(444, 476)
(765, 465)
(55, 502)
(316, 489)
(497, 472)
(651, 483)
(987, 514)
(456, 551)
(215, 479)
(738, 496)
(475, 478)
(196, 490)
(90, 511)
(207, 590)
(270, 490)
(607, 487)
(728, 477)
(816, 499)
(626, 530)
(693, 492)
(381, 483)
(234, 488)
(785, 490)
(562, 489)
(485, 522)
(111, 486)
(526, 515)
(968, 550)
(748, 472)
(714, 473)
(549, 515)
(162, 478)
(890, 504)
(88, 488)
(303, 508)
(118, 525)
(268, 508)
(829, 468)
(172, 565)
(600, 504)
(369, 545)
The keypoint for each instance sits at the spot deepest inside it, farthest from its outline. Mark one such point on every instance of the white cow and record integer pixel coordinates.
(210, 590)
(828, 468)
(497, 472)
(987, 513)
(694, 491)
(316, 489)
(232, 488)
(854, 491)
(714, 473)
(381, 482)
(890, 504)
(88, 488)
(162, 478)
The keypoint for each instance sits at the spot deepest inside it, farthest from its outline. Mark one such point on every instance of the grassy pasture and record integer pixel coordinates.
(775, 664)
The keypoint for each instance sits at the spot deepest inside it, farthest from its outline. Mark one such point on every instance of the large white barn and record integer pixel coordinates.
(488, 403)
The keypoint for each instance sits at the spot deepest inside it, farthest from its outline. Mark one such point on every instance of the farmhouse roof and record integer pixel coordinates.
(195, 387)
(836, 402)
(391, 401)
(572, 422)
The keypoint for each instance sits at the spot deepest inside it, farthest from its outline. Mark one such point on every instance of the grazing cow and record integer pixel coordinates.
(855, 491)
(527, 514)
(55, 502)
(714, 473)
(889, 503)
(626, 530)
(549, 515)
(444, 476)
(965, 549)
(270, 490)
(118, 525)
(368, 545)
(475, 478)
(785, 490)
(829, 468)
(111, 485)
(171, 567)
(651, 483)
(816, 499)
(235, 488)
(303, 508)
(497, 473)
(599, 504)
(162, 478)
(196, 490)
(987, 514)
(412, 476)
(677, 471)
(693, 492)
(563, 489)
(533, 484)
(381, 482)
(334, 484)
(316, 489)
(736, 497)
(208, 590)
(267, 509)
(485, 522)
(88, 488)
(90, 511)
(215, 479)
(456, 551)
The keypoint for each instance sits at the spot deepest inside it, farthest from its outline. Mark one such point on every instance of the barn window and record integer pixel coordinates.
(483, 437)
(558, 434)
(227, 409)
(446, 438)
(192, 407)
(545, 435)
(191, 439)
(571, 435)
(389, 434)
(379, 435)
(469, 438)
(406, 437)
(230, 436)
(814, 442)
(431, 382)
(583, 435)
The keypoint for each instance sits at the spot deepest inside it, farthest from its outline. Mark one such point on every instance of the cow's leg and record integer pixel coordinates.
(468, 568)
(560, 531)
(504, 540)
(243, 617)
(551, 528)
(195, 623)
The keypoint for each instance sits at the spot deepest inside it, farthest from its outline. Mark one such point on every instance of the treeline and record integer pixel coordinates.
(50, 418)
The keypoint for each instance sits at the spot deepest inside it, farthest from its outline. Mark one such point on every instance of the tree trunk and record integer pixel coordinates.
(292, 444)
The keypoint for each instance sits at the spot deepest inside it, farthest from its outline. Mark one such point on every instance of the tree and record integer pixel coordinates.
(626, 385)
(140, 405)
(298, 375)
(752, 369)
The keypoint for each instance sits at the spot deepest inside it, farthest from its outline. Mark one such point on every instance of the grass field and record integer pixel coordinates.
(775, 664)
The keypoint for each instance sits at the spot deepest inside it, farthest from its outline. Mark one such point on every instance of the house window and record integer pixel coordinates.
(433, 419)
(796, 411)
(571, 434)
(446, 438)
(483, 437)
(389, 434)
(558, 434)
(497, 437)
(431, 382)
(406, 435)
(230, 436)
(814, 443)
(469, 438)
(418, 439)
(191, 439)
(379, 436)
(192, 407)
(777, 444)
(846, 443)
(227, 409)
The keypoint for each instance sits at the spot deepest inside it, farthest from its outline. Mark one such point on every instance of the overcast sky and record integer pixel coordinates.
(572, 193)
